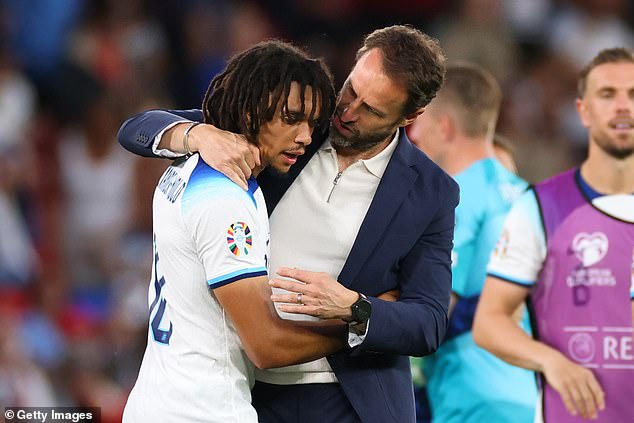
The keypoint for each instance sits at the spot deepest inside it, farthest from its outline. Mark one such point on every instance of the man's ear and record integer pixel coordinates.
(583, 111)
(412, 117)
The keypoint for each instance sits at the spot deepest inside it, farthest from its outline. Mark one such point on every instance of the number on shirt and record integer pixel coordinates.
(160, 335)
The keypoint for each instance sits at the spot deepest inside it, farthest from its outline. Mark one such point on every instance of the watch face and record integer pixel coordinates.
(361, 310)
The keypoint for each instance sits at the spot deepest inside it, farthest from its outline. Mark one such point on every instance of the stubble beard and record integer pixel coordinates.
(357, 141)
(613, 148)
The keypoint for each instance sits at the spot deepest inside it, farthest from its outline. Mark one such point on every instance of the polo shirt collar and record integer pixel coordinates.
(375, 165)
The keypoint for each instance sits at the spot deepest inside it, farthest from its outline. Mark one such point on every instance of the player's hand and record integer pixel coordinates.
(321, 295)
(577, 386)
(230, 154)
(391, 295)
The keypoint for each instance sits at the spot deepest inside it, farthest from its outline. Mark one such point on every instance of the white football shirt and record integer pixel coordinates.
(208, 233)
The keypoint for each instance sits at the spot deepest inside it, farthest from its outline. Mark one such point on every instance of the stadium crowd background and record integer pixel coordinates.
(75, 217)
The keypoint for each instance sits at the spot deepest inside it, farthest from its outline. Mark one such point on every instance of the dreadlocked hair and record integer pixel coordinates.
(246, 94)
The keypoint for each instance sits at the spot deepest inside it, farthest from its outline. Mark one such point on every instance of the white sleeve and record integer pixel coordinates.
(521, 249)
(229, 237)
(162, 151)
(356, 337)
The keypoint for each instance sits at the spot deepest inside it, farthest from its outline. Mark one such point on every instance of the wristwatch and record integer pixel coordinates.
(361, 310)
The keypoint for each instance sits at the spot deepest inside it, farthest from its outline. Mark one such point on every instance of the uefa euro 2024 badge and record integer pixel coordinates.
(239, 239)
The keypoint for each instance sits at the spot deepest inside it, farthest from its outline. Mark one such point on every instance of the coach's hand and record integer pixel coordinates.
(313, 293)
(230, 154)
(577, 386)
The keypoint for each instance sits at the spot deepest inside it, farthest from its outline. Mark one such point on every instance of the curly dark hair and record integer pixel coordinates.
(246, 94)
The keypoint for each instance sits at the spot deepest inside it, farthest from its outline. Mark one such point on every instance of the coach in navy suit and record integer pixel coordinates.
(403, 242)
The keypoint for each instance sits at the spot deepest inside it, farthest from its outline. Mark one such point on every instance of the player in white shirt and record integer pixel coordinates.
(210, 312)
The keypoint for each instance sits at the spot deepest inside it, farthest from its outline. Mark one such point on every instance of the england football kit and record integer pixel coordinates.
(208, 232)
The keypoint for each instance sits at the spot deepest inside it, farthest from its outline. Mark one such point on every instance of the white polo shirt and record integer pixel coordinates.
(314, 227)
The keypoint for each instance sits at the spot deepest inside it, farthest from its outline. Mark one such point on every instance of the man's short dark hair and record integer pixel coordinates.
(474, 95)
(410, 57)
(608, 55)
(246, 94)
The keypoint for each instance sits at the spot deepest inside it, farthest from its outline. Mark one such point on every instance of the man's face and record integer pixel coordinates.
(607, 108)
(369, 106)
(284, 138)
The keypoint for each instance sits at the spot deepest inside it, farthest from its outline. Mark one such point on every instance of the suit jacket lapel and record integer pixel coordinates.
(390, 194)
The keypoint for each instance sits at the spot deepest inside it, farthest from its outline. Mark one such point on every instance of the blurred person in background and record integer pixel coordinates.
(22, 382)
(392, 210)
(568, 247)
(464, 382)
(580, 28)
(19, 263)
(478, 32)
(96, 186)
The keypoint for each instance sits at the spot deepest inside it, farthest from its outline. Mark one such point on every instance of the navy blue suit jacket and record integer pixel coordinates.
(404, 243)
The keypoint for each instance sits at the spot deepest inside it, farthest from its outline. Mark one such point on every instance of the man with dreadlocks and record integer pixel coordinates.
(209, 294)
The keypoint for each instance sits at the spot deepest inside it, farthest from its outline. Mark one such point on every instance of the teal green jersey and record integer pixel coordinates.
(487, 191)
(466, 383)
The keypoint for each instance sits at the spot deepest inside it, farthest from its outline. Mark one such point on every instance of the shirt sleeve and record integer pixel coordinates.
(162, 151)
(521, 248)
(355, 336)
(230, 237)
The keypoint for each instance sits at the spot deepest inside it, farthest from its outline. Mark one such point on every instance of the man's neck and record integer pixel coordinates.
(608, 175)
(347, 156)
(466, 152)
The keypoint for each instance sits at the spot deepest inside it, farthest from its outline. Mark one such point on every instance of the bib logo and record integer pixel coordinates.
(590, 248)
(239, 239)
(581, 347)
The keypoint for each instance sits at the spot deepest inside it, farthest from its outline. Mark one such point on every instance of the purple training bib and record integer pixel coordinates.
(581, 302)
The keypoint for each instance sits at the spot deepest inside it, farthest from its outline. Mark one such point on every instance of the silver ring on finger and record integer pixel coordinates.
(299, 298)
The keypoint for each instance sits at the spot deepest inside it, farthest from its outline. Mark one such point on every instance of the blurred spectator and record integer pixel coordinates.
(18, 260)
(583, 27)
(22, 382)
(478, 33)
(96, 179)
(529, 19)
(38, 30)
(122, 46)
